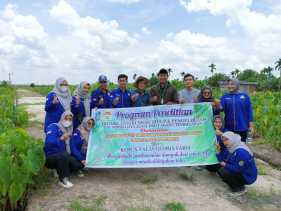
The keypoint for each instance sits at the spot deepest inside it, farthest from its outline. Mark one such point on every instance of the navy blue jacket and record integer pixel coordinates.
(76, 143)
(53, 111)
(143, 99)
(53, 144)
(97, 95)
(238, 111)
(240, 161)
(78, 111)
(124, 98)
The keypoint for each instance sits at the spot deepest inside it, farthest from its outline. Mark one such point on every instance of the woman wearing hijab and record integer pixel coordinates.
(218, 126)
(238, 110)
(238, 166)
(57, 101)
(79, 140)
(206, 96)
(57, 149)
(80, 105)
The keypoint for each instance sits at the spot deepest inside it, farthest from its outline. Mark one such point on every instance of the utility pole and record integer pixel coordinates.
(10, 78)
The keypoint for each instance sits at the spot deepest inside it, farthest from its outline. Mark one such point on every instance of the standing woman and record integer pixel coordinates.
(80, 104)
(238, 110)
(79, 140)
(140, 97)
(57, 149)
(58, 101)
(206, 95)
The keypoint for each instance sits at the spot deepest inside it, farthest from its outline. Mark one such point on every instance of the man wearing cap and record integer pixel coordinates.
(101, 97)
(121, 95)
(163, 92)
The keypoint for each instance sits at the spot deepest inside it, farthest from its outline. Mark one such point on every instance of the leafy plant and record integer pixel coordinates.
(97, 205)
(21, 158)
(174, 206)
(267, 113)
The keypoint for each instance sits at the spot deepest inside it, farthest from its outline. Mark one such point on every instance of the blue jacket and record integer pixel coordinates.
(53, 144)
(78, 112)
(95, 97)
(76, 143)
(124, 98)
(238, 111)
(53, 111)
(240, 161)
(143, 99)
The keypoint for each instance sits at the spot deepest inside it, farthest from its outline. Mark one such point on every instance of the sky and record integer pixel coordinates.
(81, 39)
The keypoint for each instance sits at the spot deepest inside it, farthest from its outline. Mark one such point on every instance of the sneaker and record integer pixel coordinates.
(239, 192)
(65, 183)
(80, 173)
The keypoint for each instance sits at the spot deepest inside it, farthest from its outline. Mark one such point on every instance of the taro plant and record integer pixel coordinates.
(21, 159)
(21, 156)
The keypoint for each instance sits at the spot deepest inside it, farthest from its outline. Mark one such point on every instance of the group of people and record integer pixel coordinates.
(68, 122)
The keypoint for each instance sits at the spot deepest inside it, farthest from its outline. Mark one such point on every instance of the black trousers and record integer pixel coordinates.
(63, 163)
(213, 168)
(243, 135)
(235, 181)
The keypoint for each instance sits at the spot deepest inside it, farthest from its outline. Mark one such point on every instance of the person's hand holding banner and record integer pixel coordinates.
(134, 97)
(218, 148)
(101, 101)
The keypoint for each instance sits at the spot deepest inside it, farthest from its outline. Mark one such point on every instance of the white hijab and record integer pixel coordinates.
(236, 142)
(64, 97)
(86, 98)
(68, 130)
(85, 133)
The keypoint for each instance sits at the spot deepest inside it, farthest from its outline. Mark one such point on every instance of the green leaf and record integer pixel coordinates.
(16, 191)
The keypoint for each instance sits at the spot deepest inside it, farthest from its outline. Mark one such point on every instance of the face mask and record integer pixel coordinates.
(66, 123)
(64, 88)
(89, 128)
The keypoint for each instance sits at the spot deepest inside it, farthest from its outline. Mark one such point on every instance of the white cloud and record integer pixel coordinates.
(108, 33)
(216, 7)
(87, 46)
(23, 44)
(90, 44)
(262, 31)
(193, 52)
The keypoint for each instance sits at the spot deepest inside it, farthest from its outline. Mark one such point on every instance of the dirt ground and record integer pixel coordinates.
(147, 189)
